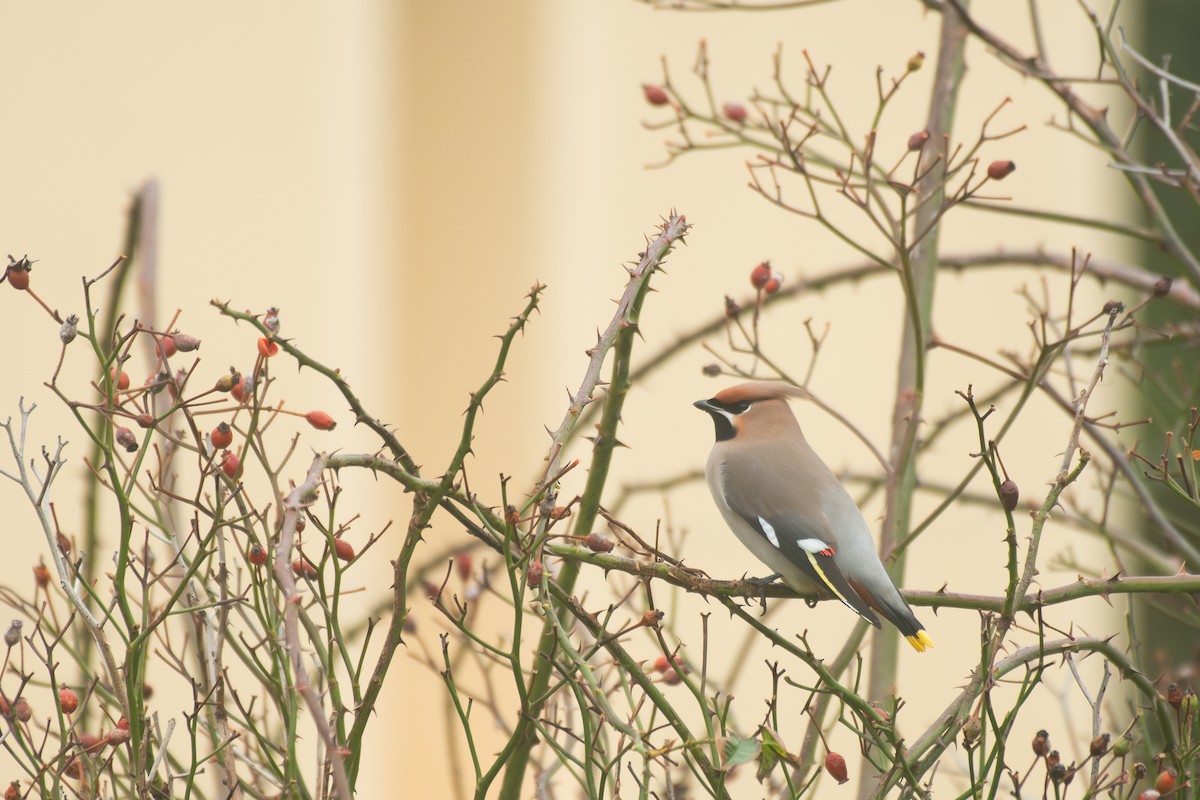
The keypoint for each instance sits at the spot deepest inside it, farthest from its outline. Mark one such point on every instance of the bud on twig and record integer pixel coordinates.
(735, 112)
(918, 140)
(655, 95)
(1162, 287)
(598, 543)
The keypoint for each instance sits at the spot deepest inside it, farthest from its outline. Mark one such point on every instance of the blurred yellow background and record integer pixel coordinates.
(396, 176)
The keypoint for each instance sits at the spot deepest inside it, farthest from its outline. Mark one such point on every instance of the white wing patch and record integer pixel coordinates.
(769, 531)
(811, 545)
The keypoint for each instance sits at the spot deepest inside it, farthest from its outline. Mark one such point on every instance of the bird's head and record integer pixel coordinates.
(750, 410)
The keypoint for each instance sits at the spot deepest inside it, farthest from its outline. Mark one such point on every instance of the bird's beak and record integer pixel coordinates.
(704, 405)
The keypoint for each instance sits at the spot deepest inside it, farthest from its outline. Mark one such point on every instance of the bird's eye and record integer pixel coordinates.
(741, 408)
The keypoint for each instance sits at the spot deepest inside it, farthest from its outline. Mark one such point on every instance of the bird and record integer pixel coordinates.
(789, 509)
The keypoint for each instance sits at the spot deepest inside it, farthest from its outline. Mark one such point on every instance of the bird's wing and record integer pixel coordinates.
(810, 548)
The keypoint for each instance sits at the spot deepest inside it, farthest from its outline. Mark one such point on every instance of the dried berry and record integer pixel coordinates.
(13, 634)
(918, 140)
(711, 370)
(534, 573)
(117, 736)
(916, 61)
(1174, 695)
(971, 730)
(999, 170)
(68, 701)
(256, 554)
(1150, 794)
(230, 464)
(1114, 307)
(69, 330)
(1053, 758)
(41, 576)
(343, 549)
(512, 515)
(760, 275)
(598, 543)
(185, 343)
(1139, 771)
(735, 112)
(144, 420)
(835, 765)
(304, 568)
(13, 791)
(227, 382)
(320, 420)
(271, 320)
(222, 436)
(74, 769)
(119, 378)
(1164, 783)
(22, 710)
(560, 512)
(652, 617)
(1099, 745)
(655, 95)
(1057, 773)
(1041, 743)
(1009, 494)
(267, 347)
(126, 439)
(1162, 286)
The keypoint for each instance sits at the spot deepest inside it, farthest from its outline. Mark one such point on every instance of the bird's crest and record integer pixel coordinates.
(759, 390)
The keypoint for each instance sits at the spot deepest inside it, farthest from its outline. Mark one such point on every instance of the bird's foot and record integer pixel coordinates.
(762, 584)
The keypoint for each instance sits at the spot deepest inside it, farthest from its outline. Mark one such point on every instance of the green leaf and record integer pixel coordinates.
(736, 751)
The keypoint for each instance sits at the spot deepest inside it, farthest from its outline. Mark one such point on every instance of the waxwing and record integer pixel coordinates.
(790, 510)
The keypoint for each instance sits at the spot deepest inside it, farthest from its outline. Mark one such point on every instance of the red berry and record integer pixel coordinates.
(772, 286)
(239, 389)
(320, 420)
(68, 701)
(304, 568)
(144, 420)
(343, 549)
(22, 710)
(118, 735)
(918, 140)
(835, 765)
(89, 741)
(18, 278)
(535, 573)
(999, 170)
(598, 543)
(230, 464)
(41, 576)
(462, 562)
(13, 792)
(1165, 782)
(123, 723)
(121, 379)
(655, 95)
(267, 347)
(256, 555)
(1150, 794)
(760, 275)
(164, 347)
(735, 112)
(222, 436)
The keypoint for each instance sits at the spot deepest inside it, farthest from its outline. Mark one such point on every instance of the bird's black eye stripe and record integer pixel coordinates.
(733, 408)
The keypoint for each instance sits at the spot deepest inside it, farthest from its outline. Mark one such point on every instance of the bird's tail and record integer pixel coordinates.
(897, 612)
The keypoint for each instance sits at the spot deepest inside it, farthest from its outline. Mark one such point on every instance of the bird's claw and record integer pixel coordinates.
(762, 584)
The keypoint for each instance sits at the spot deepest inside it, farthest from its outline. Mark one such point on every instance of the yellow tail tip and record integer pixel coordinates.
(920, 641)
